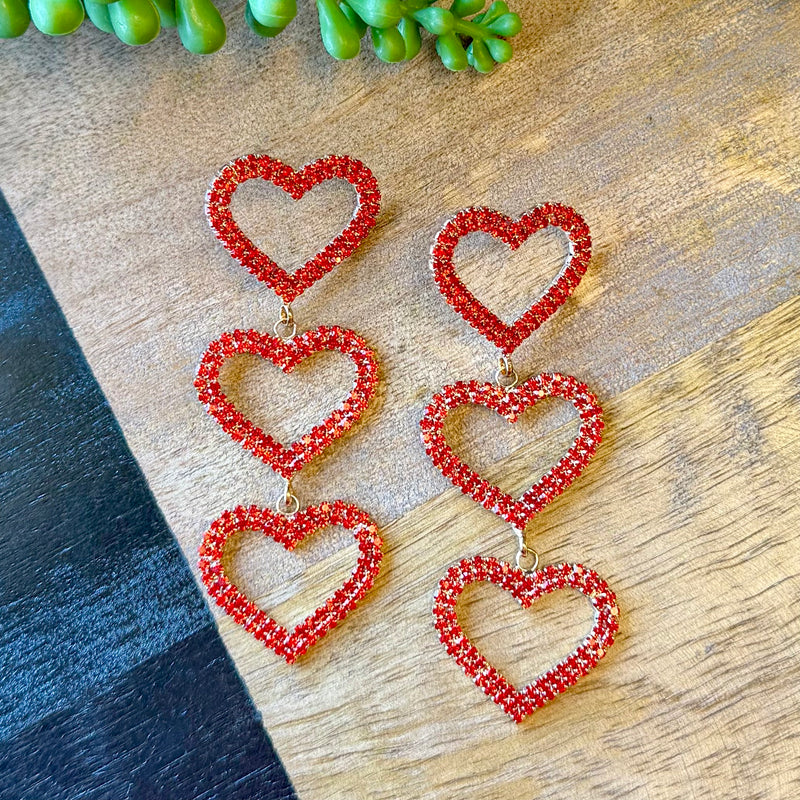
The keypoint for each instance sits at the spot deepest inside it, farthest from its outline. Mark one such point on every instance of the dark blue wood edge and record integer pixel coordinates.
(115, 683)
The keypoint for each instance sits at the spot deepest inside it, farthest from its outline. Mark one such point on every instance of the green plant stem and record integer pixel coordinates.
(464, 27)
(471, 29)
(410, 6)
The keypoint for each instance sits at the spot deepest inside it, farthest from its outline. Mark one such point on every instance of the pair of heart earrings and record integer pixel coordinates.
(288, 524)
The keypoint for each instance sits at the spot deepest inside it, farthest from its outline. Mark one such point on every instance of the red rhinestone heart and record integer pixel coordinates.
(509, 337)
(295, 183)
(511, 404)
(519, 703)
(289, 531)
(287, 354)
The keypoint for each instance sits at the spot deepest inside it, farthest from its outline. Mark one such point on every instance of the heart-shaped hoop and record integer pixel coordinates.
(511, 403)
(289, 286)
(289, 531)
(525, 588)
(286, 354)
(514, 234)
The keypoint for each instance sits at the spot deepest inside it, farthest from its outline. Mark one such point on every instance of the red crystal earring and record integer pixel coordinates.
(287, 524)
(510, 398)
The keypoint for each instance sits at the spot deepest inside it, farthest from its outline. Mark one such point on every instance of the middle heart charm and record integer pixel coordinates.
(286, 354)
(511, 403)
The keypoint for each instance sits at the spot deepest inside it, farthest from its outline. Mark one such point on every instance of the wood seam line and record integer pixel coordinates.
(786, 311)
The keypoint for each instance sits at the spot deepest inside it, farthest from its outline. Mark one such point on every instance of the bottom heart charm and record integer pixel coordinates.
(289, 531)
(519, 703)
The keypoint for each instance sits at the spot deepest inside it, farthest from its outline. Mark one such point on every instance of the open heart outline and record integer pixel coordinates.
(286, 354)
(525, 588)
(510, 404)
(290, 531)
(288, 286)
(513, 233)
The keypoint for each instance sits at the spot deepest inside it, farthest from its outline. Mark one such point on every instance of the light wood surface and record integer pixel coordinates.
(672, 127)
(689, 511)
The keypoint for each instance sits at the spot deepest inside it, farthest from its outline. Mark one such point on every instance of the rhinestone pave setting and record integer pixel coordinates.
(510, 404)
(514, 234)
(288, 286)
(526, 589)
(290, 531)
(510, 400)
(289, 525)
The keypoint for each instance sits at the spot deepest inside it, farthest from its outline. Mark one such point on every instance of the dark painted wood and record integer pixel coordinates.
(177, 726)
(114, 680)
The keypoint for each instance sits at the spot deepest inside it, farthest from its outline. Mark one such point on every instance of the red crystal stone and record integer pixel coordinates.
(289, 531)
(525, 588)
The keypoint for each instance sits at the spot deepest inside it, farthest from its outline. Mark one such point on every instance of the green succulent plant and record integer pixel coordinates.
(466, 35)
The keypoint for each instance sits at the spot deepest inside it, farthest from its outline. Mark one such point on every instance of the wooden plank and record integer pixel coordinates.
(689, 511)
(671, 127)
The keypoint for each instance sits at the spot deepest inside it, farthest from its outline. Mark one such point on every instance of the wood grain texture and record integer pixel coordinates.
(689, 510)
(668, 126)
(672, 128)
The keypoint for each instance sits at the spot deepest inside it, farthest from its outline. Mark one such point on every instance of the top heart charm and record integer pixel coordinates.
(289, 286)
(509, 337)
